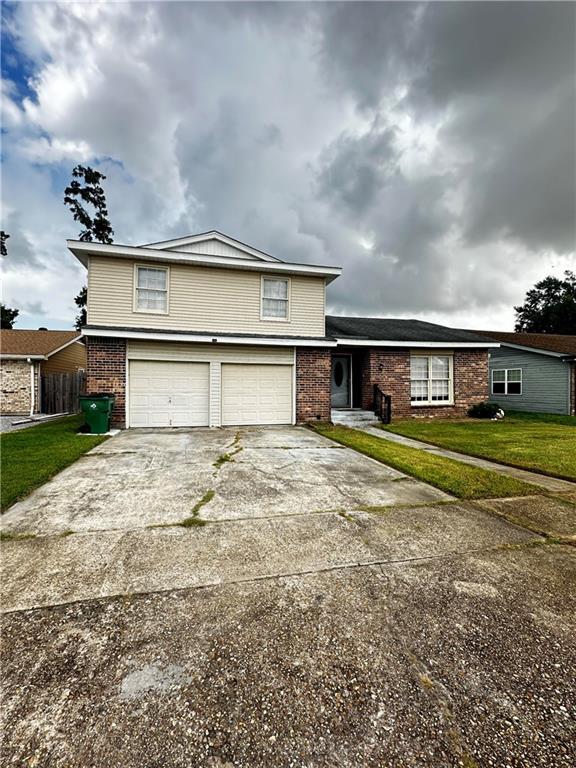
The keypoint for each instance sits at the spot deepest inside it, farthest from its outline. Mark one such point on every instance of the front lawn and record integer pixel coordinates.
(32, 456)
(545, 443)
(461, 480)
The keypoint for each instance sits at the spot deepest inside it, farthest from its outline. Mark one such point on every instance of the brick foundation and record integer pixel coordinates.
(106, 372)
(313, 374)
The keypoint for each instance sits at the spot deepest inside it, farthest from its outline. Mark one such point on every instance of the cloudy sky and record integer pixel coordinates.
(426, 148)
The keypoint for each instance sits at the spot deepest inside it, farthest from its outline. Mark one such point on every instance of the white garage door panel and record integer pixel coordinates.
(169, 394)
(256, 394)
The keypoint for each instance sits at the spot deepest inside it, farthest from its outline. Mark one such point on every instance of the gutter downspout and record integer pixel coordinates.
(32, 387)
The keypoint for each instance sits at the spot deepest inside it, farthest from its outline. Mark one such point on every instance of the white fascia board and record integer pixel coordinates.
(536, 351)
(59, 349)
(418, 344)
(23, 357)
(83, 250)
(213, 235)
(269, 341)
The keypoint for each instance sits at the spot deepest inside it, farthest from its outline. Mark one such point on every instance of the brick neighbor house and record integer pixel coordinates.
(26, 356)
(207, 331)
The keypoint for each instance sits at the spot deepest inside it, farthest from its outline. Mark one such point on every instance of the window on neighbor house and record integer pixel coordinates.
(152, 289)
(275, 298)
(507, 381)
(431, 379)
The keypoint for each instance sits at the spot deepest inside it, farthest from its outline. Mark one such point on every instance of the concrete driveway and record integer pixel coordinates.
(319, 609)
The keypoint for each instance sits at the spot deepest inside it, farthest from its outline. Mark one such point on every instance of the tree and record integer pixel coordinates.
(3, 238)
(81, 301)
(8, 316)
(97, 227)
(549, 307)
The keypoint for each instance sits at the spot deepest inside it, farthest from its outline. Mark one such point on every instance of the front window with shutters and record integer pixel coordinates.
(431, 380)
(151, 290)
(275, 299)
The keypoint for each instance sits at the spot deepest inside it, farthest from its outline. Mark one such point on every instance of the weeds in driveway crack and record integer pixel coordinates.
(194, 520)
(7, 536)
(224, 458)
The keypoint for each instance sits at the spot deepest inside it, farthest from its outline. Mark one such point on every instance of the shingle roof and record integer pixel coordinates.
(390, 329)
(550, 342)
(22, 342)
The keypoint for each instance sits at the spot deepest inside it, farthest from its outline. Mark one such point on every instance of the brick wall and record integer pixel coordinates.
(313, 374)
(390, 368)
(15, 387)
(106, 372)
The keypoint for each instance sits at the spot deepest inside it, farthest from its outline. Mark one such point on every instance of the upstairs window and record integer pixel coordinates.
(275, 299)
(152, 290)
(507, 381)
(431, 379)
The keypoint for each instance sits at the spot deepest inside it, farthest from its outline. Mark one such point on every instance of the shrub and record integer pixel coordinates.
(483, 410)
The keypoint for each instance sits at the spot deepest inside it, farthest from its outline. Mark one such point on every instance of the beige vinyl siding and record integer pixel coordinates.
(216, 355)
(202, 299)
(68, 360)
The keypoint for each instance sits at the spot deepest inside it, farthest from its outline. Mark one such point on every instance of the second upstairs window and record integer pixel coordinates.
(151, 290)
(275, 298)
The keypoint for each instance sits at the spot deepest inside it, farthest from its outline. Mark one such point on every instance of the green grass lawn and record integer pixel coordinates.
(545, 443)
(461, 480)
(31, 456)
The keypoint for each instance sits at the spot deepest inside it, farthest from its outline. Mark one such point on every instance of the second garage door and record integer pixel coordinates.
(169, 394)
(256, 394)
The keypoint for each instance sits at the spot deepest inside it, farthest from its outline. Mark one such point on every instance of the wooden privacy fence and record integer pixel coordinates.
(59, 392)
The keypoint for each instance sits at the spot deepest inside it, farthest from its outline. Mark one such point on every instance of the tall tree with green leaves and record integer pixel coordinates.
(86, 189)
(549, 307)
(8, 316)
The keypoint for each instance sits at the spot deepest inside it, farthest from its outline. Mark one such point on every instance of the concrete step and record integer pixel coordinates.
(353, 417)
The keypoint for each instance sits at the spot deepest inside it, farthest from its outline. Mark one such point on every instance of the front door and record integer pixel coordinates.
(341, 381)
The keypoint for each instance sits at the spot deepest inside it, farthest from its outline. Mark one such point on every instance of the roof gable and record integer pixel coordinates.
(212, 244)
(34, 343)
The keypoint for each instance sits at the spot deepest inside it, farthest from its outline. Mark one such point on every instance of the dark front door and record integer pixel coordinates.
(341, 381)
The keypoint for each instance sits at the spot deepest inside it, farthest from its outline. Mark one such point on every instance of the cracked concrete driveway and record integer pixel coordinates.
(330, 612)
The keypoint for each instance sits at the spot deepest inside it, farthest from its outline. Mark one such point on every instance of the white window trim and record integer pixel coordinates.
(264, 317)
(435, 403)
(505, 382)
(135, 290)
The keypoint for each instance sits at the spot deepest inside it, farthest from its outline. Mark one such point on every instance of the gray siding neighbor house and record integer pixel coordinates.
(533, 372)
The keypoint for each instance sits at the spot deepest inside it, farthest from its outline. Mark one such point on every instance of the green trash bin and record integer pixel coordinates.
(97, 410)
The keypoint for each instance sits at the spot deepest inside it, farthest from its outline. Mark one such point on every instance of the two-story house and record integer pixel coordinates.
(207, 331)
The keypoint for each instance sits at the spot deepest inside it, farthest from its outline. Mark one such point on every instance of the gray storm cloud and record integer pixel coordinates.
(427, 148)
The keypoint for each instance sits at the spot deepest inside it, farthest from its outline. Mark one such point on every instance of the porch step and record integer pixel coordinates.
(352, 417)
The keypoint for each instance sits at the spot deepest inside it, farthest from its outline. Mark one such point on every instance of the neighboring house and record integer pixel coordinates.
(26, 356)
(533, 372)
(207, 331)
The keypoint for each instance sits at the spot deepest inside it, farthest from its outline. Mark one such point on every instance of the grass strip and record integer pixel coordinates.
(543, 443)
(461, 480)
(29, 457)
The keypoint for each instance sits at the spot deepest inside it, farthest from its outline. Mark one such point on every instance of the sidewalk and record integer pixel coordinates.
(550, 484)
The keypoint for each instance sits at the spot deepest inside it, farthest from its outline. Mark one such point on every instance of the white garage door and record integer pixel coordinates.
(168, 394)
(256, 394)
